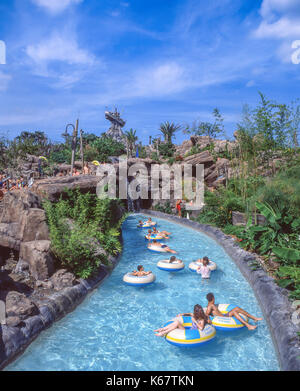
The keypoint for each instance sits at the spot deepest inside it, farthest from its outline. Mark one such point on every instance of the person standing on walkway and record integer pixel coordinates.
(178, 207)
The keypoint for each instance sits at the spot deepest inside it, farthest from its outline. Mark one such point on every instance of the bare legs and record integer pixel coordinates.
(236, 313)
(165, 330)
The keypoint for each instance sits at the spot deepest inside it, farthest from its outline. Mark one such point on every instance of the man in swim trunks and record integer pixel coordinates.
(157, 244)
(212, 309)
(163, 233)
(140, 272)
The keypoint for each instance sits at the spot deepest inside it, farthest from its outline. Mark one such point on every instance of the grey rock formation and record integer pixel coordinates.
(52, 188)
(62, 279)
(18, 308)
(22, 219)
(38, 256)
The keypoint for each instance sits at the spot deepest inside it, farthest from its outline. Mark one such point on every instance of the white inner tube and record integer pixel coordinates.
(194, 266)
(228, 323)
(166, 264)
(157, 248)
(129, 278)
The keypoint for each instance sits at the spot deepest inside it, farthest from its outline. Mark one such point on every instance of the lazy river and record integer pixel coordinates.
(112, 329)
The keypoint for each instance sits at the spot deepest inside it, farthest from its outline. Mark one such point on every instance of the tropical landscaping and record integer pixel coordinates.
(261, 177)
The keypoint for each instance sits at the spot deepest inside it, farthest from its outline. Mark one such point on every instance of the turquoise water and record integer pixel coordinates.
(113, 328)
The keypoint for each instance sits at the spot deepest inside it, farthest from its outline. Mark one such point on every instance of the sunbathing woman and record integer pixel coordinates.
(164, 246)
(199, 321)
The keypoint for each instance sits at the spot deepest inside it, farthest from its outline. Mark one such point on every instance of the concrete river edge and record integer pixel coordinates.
(272, 299)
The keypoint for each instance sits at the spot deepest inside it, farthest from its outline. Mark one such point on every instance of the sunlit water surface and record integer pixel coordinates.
(113, 328)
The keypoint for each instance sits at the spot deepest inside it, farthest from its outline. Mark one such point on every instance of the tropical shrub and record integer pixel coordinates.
(81, 227)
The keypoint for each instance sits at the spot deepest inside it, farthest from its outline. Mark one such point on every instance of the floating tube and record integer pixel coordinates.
(227, 323)
(170, 267)
(188, 336)
(157, 249)
(152, 237)
(132, 280)
(147, 225)
(193, 266)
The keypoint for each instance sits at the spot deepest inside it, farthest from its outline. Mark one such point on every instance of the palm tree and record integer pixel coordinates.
(131, 139)
(168, 129)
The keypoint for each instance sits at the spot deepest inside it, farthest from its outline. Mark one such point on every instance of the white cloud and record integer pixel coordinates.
(160, 80)
(55, 6)
(59, 48)
(251, 83)
(270, 7)
(281, 19)
(282, 28)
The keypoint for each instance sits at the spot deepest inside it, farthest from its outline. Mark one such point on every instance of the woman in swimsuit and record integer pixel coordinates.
(199, 321)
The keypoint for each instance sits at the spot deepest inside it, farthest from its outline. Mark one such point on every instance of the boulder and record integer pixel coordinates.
(62, 279)
(38, 256)
(10, 236)
(218, 174)
(19, 307)
(200, 158)
(15, 203)
(53, 188)
(22, 219)
(33, 225)
(185, 147)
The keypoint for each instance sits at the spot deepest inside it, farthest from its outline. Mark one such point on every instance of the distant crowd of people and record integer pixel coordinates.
(11, 184)
(8, 183)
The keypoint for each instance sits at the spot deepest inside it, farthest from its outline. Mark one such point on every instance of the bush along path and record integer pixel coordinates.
(84, 231)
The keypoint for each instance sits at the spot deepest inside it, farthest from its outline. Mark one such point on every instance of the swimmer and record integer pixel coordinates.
(164, 233)
(157, 244)
(174, 259)
(204, 270)
(140, 271)
(199, 321)
(212, 309)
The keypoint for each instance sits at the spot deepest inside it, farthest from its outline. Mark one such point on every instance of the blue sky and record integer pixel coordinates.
(156, 60)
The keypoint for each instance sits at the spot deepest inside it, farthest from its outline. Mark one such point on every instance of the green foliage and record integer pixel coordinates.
(103, 147)
(131, 139)
(168, 130)
(209, 129)
(194, 150)
(142, 151)
(61, 156)
(154, 156)
(33, 143)
(165, 208)
(166, 150)
(219, 206)
(289, 277)
(79, 227)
